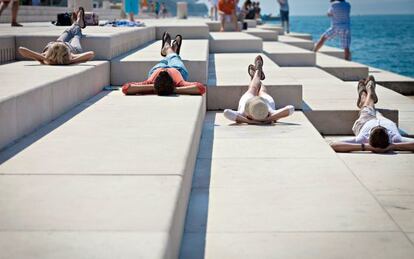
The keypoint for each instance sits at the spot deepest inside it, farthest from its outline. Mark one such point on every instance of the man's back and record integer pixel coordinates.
(340, 13)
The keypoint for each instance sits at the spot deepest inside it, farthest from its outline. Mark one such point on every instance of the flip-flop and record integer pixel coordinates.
(258, 62)
(372, 84)
(165, 38)
(82, 15)
(178, 41)
(251, 70)
(361, 88)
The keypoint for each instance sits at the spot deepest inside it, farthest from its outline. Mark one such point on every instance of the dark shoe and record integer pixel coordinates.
(176, 45)
(372, 85)
(361, 88)
(81, 15)
(16, 24)
(258, 62)
(165, 38)
(251, 70)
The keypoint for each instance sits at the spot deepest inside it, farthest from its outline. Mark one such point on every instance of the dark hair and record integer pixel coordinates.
(379, 138)
(164, 84)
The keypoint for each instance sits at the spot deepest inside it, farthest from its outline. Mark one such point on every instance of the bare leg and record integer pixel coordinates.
(131, 17)
(347, 54)
(320, 43)
(15, 9)
(366, 99)
(255, 84)
(222, 18)
(236, 22)
(3, 6)
(168, 49)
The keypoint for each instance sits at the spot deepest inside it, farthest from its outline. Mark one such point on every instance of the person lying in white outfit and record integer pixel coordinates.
(256, 106)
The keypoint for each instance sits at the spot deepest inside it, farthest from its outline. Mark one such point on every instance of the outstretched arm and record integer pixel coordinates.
(193, 88)
(83, 57)
(403, 146)
(27, 53)
(138, 88)
(345, 147)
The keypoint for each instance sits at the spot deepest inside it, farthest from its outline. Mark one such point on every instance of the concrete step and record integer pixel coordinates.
(214, 26)
(187, 28)
(107, 42)
(272, 27)
(401, 84)
(343, 69)
(32, 94)
(331, 51)
(228, 80)
(304, 36)
(328, 102)
(251, 23)
(300, 43)
(135, 65)
(90, 176)
(234, 42)
(298, 193)
(265, 35)
(7, 48)
(286, 55)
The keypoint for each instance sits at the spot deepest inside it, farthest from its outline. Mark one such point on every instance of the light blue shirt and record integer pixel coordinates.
(284, 6)
(340, 12)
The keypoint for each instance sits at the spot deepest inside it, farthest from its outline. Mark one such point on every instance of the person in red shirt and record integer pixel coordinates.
(227, 10)
(167, 77)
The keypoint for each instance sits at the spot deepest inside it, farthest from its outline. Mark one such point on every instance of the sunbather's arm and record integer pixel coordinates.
(138, 88)
(191, 88)
(276, 115)
(403, 146)
(27, 53)
(83, 57)
(345, 147)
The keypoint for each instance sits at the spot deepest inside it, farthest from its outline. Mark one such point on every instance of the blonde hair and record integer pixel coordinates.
(257, 108)
(58, 54)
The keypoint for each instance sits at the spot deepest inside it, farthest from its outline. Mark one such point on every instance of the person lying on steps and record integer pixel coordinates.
(256, 106)
(66, 49)
(167, 77)
(373, 132)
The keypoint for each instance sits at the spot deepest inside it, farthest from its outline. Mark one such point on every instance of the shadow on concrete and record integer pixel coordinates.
(195, 232)
(26, 141)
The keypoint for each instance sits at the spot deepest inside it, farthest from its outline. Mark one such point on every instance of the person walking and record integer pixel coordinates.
(14, 11)
(284, 15)
(131, 8)
(339, 12)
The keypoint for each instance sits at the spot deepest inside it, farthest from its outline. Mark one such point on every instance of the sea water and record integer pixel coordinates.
(382, 41)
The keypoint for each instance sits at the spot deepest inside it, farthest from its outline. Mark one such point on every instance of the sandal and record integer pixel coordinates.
(251, 70)
(361, 88)
(81, 14)
(177, 44)
(165, 38)
(372, 84)
(258, 62)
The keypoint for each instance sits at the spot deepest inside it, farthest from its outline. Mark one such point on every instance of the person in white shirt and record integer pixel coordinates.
(373, 132)
(256, 106)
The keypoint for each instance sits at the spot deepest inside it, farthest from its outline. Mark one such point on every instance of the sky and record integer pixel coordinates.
(359, 7)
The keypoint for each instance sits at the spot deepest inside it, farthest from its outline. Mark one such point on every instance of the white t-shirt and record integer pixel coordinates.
(393, 132)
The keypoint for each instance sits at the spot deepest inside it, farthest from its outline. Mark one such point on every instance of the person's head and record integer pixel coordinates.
(58, 54)
(164, 84)
(256, 109)
(379, 138)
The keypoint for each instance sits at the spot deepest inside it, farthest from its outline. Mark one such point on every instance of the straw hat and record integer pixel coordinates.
(256, 108)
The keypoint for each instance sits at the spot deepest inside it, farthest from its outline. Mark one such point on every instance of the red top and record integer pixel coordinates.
(175, 75)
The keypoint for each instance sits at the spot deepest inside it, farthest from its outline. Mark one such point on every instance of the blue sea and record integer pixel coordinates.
(382, 41)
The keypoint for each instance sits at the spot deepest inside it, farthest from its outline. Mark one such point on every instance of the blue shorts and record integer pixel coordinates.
(343, 34)
(171, 61)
